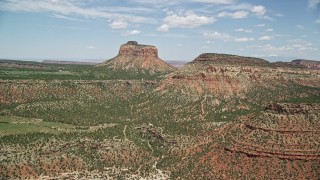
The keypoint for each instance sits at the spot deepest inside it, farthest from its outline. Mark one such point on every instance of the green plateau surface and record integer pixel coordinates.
(20, 125)
(40, 71)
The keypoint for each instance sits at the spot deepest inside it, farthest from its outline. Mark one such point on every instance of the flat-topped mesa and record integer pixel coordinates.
(137, 57)
(312, 64)
(229, 59)
(132, 48)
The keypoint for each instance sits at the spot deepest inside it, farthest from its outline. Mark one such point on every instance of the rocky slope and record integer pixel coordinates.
(280, 143)
(227, 59)
(286, 131)
(137, 57)
(307, 63)
(225, 75)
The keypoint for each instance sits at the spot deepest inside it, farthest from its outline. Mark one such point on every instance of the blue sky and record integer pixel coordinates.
(181, 29)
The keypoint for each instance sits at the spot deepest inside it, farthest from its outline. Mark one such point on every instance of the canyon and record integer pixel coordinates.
(134, 116)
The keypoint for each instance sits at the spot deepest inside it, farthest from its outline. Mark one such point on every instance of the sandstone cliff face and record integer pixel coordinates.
(136, 57)
(132, 48)
(229, 75)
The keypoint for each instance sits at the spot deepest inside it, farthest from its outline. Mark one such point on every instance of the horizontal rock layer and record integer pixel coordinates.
(137, 57)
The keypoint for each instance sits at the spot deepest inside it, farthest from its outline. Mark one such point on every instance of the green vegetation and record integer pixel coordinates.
(64, 118)
(39, 71)
(20, 125)
(309, 99)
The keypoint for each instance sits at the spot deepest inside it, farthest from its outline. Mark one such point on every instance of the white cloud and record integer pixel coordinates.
(135, 10)
(266, 17)
(234, 15)
(163, 28)
(59, 16)
(243, 30)
(214, 1)
(260, 25)
(157, 3)
(69, 7)
(184, 20)
(259, 10)
(118, 25)
(291, 48)
(313, 3)
(279, 15)
(77, 28)
(307, 48)
(269, 30)
(216, 35)
(133, 32)
(300, 26)
(244, 39)
(168, 3)
(265, 38)
(91, 47)
(317, 21)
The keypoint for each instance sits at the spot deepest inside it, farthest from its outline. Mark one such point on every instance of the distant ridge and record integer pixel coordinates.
(225, 75)
(137, 57)
(312, 64)
(228, 58)
(68, 62)
(177, 64)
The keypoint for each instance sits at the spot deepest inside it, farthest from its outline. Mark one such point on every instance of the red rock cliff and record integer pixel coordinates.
(137, 57)
(132, 48)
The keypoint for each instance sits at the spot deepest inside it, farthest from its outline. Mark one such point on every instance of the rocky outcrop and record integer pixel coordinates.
(280, 143)
(287, 131)
(307, 63)
(228, 75)
(292, 108)
(227, 58)
(132, 48)
(137, 57)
